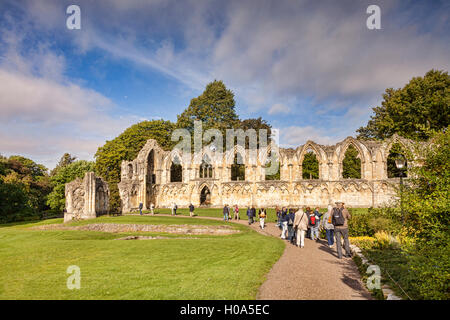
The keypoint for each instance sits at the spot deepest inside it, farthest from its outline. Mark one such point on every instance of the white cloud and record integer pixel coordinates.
(278, 108)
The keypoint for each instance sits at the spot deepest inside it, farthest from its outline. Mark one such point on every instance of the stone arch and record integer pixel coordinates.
(317, 150)
(205, 195)
(361, 153)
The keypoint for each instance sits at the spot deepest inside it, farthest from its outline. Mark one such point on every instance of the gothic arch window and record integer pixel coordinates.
(272, 167)
(176, 170)
(310, 165)
(395, 152)
(205, 196)
(351, 164)
(130, 171)
(238, 168)
(151, 177)
(206, 168)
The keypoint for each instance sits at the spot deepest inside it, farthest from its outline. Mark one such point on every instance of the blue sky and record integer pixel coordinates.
(311, 68)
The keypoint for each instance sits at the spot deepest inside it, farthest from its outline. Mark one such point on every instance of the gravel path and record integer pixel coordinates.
(311, 273)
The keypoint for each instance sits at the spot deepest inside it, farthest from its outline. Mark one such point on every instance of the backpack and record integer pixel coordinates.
(338, 218)
(291, 221)
(312, 219)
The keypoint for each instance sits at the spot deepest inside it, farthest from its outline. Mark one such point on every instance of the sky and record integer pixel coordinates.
(312, 69)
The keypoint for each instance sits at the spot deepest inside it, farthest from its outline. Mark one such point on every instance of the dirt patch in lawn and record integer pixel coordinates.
(116, 228)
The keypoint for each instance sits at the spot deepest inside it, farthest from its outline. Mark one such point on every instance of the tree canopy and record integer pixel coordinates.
(414, 111)
(310, 166)
(24, 186)
(351, 164)
(215, 107)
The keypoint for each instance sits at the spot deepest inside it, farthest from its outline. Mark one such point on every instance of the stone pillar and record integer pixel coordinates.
(89, 196)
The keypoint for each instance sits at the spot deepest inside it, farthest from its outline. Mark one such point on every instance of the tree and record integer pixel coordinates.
(65, 160)
(310, 166)
(351, 165)
(23, 190)
(257, 124)
(421, 106)
(126, 147)
(427, 218)
(215, 107)
(66, 174)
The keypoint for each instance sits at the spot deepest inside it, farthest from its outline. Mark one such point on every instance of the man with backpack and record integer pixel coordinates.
(340, 221)
(313, 224)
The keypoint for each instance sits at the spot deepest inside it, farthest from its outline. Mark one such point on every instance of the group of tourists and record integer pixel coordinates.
(307, 222)
(227, 213)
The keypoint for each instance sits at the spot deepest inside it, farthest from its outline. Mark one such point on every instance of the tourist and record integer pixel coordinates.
(284, 222)
(191, 210)
(253, 214)
(236, 212)
(340, 216)
(300, 226)
(152, 207)
(226, 212)
(250, 216)
(278, 213)
(327, 224)
(308, 213)
(262, 217)
(175, 207)
(141, 205)
(290, 225)
(315, 217)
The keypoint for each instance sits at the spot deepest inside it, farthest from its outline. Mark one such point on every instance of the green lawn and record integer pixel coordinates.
(34, 262)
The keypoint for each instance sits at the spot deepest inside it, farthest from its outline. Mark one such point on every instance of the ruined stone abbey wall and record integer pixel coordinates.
(87, 198)
(147, 179)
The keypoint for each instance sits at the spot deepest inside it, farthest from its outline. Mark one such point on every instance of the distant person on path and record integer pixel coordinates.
(327, 224)
(308, 213)
(291, 217)
(236, 212)
(284, 222)
(278, 213)
(262, 217)
(301, 225)
(253, 214)
(314, 219)
(226, 212)
(152, 207)
(340, 222)
(250, 216)
(175, 207)
(191, 210)
(141, 205)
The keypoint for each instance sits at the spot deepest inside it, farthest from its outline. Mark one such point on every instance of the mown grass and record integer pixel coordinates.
(34, 262)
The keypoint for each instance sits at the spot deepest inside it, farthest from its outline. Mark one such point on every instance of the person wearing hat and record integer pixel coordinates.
(340, 221)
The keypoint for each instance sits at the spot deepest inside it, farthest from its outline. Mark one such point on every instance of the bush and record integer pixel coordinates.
(373, 221)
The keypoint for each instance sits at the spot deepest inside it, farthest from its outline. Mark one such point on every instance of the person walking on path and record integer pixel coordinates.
(291, 217)
(262, 218)
(236, 212)
(249, 215)
(327, 224)
(191, 210)
(278, 213)
(315, 228)
(152, 207)
(284, 222)
(253, 214)
(141, 205)
(340, 222)
(301, 225)
(226, 212)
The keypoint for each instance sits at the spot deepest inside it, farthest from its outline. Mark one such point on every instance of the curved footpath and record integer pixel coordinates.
(311, 273)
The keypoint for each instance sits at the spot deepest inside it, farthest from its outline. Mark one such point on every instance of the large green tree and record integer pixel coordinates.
(65, 160)
(215, 107)
(24, 186)
(66, 174)
(421, 106)
(351, 164)
(310, 166)
(126, 147)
